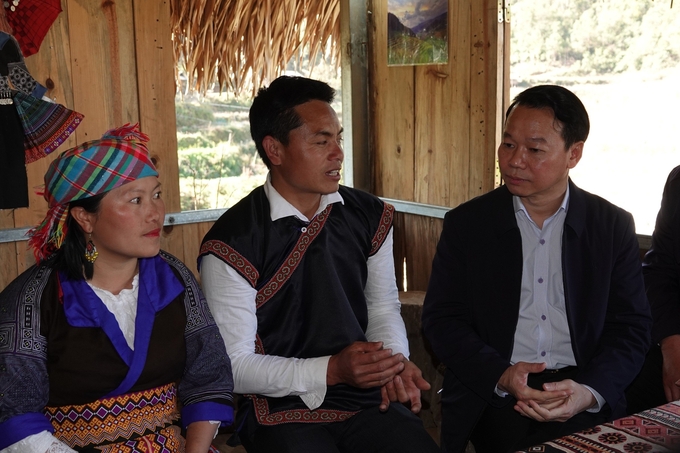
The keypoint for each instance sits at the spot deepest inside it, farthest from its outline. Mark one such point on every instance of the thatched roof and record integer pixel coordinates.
(242, 44)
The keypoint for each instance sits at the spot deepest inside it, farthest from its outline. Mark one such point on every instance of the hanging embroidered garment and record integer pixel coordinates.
(13, 179)
(46, 125)
(30, 127)
(30, 21)
(13, 67)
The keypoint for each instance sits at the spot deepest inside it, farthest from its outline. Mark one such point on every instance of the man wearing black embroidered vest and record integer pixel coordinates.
(299, 276)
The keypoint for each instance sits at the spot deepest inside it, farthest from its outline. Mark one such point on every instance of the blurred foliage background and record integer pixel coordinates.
(622, 58)
(586, 37)
(218, 161)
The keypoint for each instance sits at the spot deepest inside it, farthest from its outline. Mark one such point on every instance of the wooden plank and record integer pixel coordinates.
(103, 65)
(484, 94)
(460, 101)
(184, 242)
(442, 115)
(392, 115)
(25, 258)
(435, 146)
(503, 94)
(8, 251)
(422, 235)
(8, 264)
(415, 242)
(171, 240)
(394, 157)
(155, 72)
(6, 218)
(192, 238)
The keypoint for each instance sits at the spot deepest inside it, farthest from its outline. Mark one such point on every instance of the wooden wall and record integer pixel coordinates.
(435, 127)
(113, 62)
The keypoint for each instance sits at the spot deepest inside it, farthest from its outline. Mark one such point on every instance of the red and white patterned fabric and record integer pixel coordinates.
(655, 430)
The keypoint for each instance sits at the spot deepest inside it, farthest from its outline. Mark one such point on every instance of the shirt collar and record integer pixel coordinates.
(519, 206)
(279, 207)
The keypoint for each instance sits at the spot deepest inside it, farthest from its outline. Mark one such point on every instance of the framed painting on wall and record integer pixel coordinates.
(417, 32)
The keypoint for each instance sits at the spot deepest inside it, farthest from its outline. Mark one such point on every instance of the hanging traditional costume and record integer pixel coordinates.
(66, 365)
(30, 127)
(13, 179)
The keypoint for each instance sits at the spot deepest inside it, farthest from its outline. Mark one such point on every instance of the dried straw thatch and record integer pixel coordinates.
(241, 44)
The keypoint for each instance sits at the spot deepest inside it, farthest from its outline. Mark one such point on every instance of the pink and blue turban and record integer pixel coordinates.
(90, 169)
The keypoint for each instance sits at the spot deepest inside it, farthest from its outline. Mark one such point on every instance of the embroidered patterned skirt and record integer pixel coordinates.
(134, 422)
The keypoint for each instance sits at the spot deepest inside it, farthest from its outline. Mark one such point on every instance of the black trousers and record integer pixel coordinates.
(370, 431)
(646, 391)
(13, 179)
(505, 430)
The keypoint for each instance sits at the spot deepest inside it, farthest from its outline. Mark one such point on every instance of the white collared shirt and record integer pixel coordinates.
(232, 303)
(542, 333)
(123, 306)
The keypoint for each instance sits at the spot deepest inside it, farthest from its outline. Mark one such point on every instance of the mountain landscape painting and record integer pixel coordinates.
(417, 32)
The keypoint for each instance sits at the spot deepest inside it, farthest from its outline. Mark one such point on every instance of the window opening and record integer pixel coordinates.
(218, 161)
(622, 58)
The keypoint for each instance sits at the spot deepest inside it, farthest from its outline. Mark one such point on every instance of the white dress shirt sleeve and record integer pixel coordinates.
(232, 303)
(382, 297)
(598, 398)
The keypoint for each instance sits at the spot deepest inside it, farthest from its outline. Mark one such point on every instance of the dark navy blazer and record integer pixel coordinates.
(472, 303)
(661, 266)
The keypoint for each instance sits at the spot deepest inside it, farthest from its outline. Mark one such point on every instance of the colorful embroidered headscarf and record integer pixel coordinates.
(94, 167)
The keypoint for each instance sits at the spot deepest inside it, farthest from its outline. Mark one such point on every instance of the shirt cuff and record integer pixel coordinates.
(21, 426)
(316, 392)
(207, 410)
(43, 442)
(500, 392)
(598, 398)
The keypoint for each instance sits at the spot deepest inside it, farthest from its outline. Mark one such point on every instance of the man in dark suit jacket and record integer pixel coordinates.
(659, 380)
(536, 303)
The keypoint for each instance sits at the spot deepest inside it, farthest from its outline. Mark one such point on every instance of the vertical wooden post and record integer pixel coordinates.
(435, 127)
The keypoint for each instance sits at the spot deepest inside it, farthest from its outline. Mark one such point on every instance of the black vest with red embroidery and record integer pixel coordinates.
(310, 279)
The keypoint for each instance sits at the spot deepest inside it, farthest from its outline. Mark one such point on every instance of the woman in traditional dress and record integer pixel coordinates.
(107, 337)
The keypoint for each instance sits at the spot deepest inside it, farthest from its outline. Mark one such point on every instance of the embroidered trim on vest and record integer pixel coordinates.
(293, 260)
(230, 256)
(20, 329)
(198, 315)
(383, 228)
(265, 417)
(109, 420)
(259, 346)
